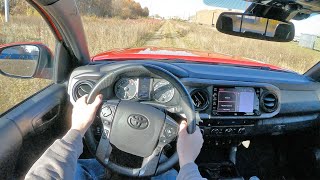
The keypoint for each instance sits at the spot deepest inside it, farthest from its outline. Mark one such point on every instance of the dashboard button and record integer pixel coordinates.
(220, 123)
(228, 130)
(256, 112)
(215, 131)
(241, 130)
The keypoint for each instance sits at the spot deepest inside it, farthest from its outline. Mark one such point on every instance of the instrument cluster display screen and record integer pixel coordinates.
(235, 100)
(144, 88)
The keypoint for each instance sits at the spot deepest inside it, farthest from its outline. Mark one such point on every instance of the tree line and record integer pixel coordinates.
(102, 8)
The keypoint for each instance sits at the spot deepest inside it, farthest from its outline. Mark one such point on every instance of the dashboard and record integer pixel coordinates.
(141, 89)
(231, 102)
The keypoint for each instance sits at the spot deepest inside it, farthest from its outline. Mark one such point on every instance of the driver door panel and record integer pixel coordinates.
(21, 129)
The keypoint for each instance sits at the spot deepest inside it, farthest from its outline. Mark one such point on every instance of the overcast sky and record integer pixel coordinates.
(308, 26)
(186, 8)
(169, 8)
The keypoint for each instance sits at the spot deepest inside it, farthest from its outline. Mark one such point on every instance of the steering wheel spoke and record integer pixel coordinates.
(168, 134)
(150, 164)
(107, 113)
(104, 149)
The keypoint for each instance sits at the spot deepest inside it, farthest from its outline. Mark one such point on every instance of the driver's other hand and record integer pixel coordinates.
(83, 114)
(188, 145)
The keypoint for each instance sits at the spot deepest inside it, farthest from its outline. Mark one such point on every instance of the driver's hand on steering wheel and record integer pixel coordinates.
(188, 145)
(83, 114)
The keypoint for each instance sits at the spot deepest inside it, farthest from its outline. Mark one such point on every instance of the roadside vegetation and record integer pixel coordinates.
(107, 34)
(286, 55)
(102, 35)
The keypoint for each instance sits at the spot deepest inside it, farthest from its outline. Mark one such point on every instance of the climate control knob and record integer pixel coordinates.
(241, 130)
(202, 131)
(215, 131)
(228, 130)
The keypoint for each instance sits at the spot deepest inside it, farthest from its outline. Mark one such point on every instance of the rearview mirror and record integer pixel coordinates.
(251, 26)
(25, 61)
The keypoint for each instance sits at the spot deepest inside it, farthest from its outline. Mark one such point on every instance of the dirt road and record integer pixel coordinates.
(167, 36)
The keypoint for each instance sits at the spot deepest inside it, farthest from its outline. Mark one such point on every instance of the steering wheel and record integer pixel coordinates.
(137, 128)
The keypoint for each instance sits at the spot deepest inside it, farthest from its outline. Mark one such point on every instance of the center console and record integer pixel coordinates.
(229, 113)
(219, 166)
(219, 171)
(229, 110)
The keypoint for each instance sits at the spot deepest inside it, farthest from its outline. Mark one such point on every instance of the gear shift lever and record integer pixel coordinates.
(233, 154)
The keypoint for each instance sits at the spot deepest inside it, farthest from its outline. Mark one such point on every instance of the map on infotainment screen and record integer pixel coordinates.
(236, 100)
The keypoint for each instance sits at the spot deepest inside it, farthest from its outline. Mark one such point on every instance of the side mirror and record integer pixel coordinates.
(26, 61)
(251, 26)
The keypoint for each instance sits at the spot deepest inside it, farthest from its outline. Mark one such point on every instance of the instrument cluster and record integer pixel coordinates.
(144, 88)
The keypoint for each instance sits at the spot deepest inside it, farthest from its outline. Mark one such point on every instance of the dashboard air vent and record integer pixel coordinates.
(81, 89)
(269, 102)
(200, 99)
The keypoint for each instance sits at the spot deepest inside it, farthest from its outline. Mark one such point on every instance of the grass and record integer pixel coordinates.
(102, 35)
(26, 29)
(15, 90)
(286, 55)
(106, 34)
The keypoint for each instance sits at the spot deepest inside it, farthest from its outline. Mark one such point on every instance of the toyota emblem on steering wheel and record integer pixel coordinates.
(137, 121)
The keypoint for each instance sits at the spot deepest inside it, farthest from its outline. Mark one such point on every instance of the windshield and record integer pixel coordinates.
(191, 25)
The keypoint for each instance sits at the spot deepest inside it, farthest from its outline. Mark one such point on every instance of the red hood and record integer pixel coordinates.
(154, 53)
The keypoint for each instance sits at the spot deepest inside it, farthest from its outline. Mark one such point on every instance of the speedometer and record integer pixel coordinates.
(126, 89)
(163, 91)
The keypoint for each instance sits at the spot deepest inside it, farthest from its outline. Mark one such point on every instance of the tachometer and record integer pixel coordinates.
(126, 88)
(163, 91)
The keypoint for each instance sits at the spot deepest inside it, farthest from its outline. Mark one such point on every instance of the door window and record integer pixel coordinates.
(27, 26)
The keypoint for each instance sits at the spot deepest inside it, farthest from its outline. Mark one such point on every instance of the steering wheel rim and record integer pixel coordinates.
(185, 103)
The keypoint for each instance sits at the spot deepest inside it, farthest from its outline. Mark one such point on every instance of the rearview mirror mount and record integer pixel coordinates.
(251, 26)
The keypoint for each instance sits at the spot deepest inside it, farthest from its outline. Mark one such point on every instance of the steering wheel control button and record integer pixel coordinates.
(105, 134)
(137, 121)
(163, 139)
(170, 131)
(106, 114)
(106, 111)
(108, 123)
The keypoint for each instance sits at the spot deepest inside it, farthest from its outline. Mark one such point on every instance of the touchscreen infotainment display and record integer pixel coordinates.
(236, 100)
